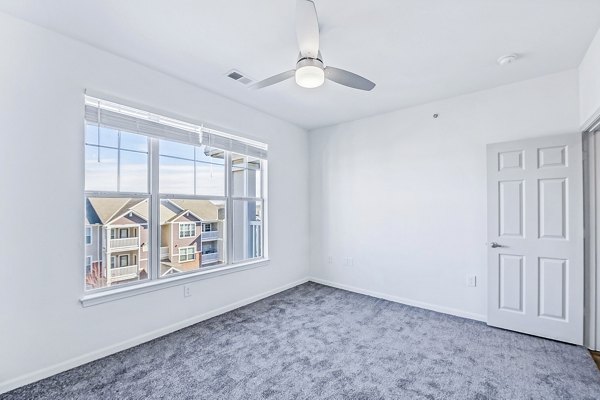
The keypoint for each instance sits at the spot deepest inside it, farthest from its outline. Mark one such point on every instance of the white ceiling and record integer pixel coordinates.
(415, 50)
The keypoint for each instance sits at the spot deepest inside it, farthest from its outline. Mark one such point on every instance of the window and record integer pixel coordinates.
(187, 200)
(88, 235)
(152, 182)
(187, 254)
(187, 229)
(209, 248)
(88, 265)
(124, 260)
(247, 207)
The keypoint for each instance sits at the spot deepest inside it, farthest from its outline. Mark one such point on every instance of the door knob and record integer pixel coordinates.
(495, 245)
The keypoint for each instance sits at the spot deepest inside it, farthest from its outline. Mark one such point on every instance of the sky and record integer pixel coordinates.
(177, 164)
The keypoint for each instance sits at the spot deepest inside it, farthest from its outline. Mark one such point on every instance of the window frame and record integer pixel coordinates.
(109, 293)
(260, 197)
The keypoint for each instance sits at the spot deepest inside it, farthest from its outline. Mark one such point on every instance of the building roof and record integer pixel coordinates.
(91, 216)
(102, 210)
(203, 209)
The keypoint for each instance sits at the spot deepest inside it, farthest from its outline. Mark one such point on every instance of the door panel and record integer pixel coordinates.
(511, 282)
(552, 157)
(553, 208)
(510, 159)
(553, 288)
(511, 208)
(535, 215)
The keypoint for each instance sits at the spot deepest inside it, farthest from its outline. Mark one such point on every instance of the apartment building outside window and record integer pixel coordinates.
(166, 197)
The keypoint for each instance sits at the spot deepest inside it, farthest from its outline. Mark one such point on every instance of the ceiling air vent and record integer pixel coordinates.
(238, 76)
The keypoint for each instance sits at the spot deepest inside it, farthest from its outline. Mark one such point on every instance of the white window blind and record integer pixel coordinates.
(120, 117)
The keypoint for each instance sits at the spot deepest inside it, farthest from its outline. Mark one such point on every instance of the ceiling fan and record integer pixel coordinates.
(310, 71)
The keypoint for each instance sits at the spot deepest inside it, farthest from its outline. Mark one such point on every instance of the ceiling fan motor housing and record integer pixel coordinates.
(311, 61)
(310, 72)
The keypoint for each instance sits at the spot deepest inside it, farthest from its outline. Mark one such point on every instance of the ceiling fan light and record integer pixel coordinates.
(310, 76)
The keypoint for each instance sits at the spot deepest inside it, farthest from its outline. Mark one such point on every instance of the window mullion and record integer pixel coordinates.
(229, 206)
(195, 189)
(153, 171)
(118, 161)
(264, 197)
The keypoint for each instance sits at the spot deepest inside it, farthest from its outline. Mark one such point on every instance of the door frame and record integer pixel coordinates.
(591, 186)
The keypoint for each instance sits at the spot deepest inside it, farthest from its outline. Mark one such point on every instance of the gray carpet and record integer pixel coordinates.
(316, 342)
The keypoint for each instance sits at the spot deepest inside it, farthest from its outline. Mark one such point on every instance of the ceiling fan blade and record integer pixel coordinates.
(347, 78)
(307, 28)
(274, 79)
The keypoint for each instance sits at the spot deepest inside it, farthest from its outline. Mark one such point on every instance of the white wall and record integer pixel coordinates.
(404, 194)
(589, 83)
(42, 324)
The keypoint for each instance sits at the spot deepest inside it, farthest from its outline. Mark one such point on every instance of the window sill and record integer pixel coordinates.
(93, 299)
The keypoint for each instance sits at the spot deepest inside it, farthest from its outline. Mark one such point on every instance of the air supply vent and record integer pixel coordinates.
(239, 77)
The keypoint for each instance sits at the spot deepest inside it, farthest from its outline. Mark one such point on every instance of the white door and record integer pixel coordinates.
(535, 237)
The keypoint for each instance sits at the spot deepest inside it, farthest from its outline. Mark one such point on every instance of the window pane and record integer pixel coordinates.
(119, 255)
(181, 238)
(238, 182)
(187, 169)
(132, 141)
(134, 172)
(109, 137)
(100, 169)
(246, 180)
(254, 180)
(102, 163)
(176, 176)
(91, 134)
(101, 136)
(175, 149)
(247, 230)
(210, 179)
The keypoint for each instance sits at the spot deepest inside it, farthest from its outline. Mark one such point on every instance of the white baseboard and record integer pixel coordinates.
(95, 355)
(402, 300)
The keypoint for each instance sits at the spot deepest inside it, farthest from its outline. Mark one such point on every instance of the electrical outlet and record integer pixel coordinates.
(330, 260)
(186, 291)
(471, 280)
(348, 261)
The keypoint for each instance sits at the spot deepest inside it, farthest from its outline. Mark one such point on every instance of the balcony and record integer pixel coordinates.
(212, 235)
(210, 258)
(123, 243)
(122, 273)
